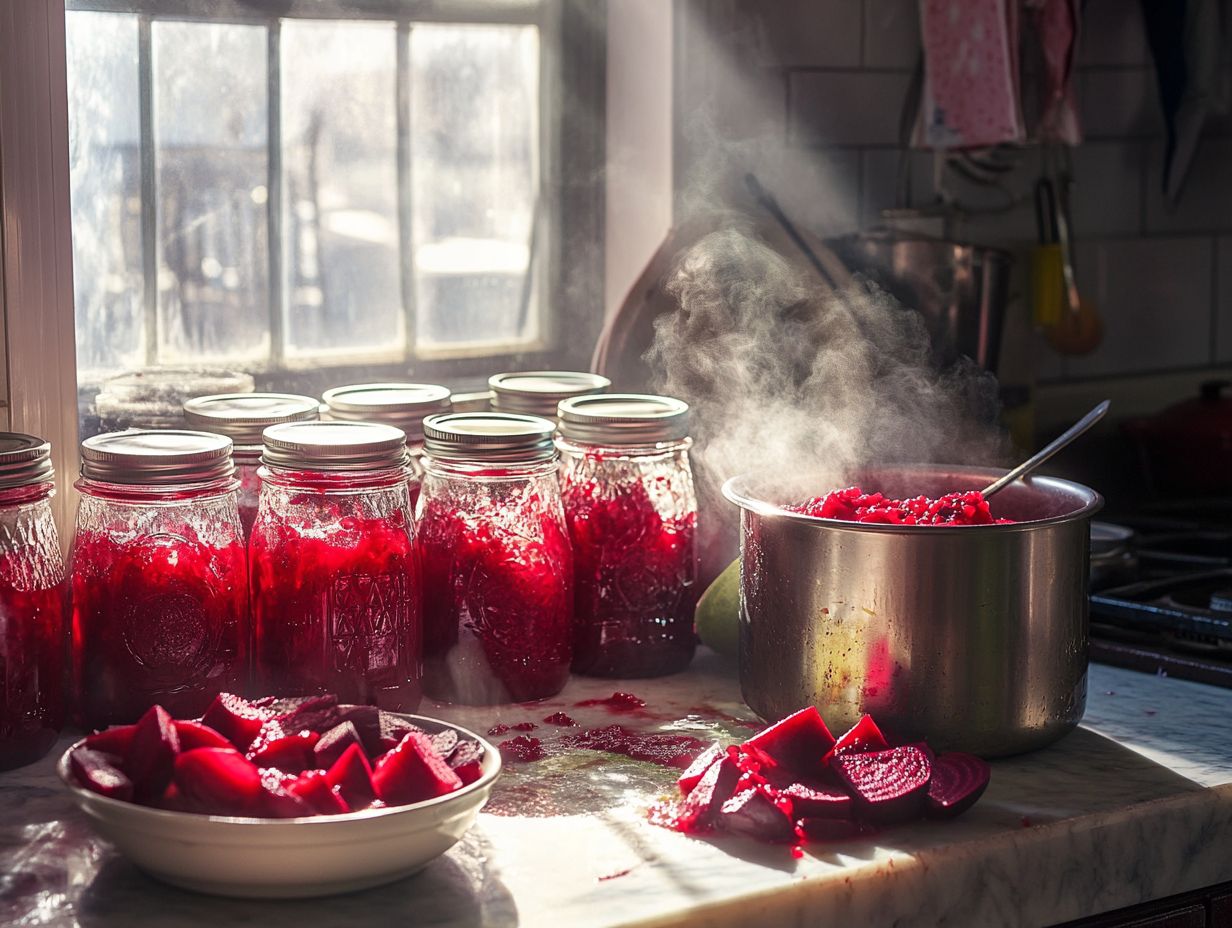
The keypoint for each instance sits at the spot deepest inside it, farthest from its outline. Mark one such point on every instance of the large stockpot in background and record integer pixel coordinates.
(974, 637)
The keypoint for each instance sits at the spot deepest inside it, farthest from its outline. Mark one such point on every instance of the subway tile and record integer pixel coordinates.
(845, 107)
(1121, 103)
(1205, 204)
(1107, 192)
(879, 187)
(820, 191)
(1155, 298)
(1223, 301)
(803, 33)
(1112, 34)
(891, 33)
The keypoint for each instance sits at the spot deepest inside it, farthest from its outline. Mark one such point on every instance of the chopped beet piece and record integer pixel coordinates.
(445, 741)
(922, 746)
(218, 781)
(698, 811)
(696, 770)
(888, 786)
(313, 787)
(352, 775)
(755, 814)
(498, 729)
(393, 730)
(833, 829)
(412, 772)
(958, 781)
(115, 740)
(287, 749)
(276, 799)
(524, 726)
(194, 734)
(331, 744)
(172, 800)
(811, 797)
(467, 761)
(100, 773)
(522, 748)
(799, 742)
(151, 757)
(283, 710)
(367, 722)
(854, 505)
(864, 735)
(561, 719)
(235, 718)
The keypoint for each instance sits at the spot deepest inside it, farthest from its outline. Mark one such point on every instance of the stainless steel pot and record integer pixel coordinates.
(974, 637)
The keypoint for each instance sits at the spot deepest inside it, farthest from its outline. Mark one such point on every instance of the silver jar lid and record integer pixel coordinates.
(24, 460)
(510, 438)
(624, 419)
(404, 405)
(156, 458)
(242, 417)
(334, 446)
(537, 393)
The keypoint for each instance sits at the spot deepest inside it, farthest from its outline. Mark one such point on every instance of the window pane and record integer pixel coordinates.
(105, 184)
(474, 158)
(210, 130)
(340, 193)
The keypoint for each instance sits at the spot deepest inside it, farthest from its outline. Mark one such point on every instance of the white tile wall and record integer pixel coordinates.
(809, 94)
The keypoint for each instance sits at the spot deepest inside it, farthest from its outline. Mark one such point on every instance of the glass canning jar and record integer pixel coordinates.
(538, 393)
(632, 516)
(158, 576)
(336, 583)
(242, 417)
(498, 573)
(402, 405)
(33, 642)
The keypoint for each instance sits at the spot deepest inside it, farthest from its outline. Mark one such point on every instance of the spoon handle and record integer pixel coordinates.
(1078, 428)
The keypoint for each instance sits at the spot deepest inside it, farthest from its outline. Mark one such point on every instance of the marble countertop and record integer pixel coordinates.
(1135, 805)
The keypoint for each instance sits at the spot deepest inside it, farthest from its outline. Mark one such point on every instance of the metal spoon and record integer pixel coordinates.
(1078, 428)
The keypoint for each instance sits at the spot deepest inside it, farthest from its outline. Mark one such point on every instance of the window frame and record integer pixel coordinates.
(568, 278)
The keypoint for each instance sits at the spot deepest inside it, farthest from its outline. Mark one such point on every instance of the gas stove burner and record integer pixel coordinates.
(1185, 608)
(1221, 601)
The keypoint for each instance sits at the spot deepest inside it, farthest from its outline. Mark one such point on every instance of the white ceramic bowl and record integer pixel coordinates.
(295, 857)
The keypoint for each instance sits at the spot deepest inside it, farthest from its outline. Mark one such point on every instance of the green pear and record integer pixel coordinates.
(718, 612)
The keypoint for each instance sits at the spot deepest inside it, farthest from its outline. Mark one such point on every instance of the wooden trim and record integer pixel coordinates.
(36, 248)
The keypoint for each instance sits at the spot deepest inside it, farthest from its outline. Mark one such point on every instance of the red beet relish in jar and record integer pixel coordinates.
(336, 582)
(498, 571)
(242, 417)
(402, 405)
(159, 579)
(32, 629)
(632, 516)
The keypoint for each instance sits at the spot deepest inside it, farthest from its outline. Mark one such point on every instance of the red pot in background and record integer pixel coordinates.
(1187, 449)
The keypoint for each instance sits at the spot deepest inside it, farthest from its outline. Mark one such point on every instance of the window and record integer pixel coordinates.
(313, 192)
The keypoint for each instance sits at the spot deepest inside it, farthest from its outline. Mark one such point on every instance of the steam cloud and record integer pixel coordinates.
(808, 389)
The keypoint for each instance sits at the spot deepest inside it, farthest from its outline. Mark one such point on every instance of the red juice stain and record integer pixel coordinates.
(559, 718)
(498, 729)
(668, 750)
(617, 874)
(854, 505)
(524, 726)
(617, 702)
(522, 749)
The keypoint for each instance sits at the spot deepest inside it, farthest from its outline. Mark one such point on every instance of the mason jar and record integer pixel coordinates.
(498, 573)
(632, 516)
(159, 579)
(33, 641)
(538, 393)
(242, 417)
(402, 405)
(336, 582)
